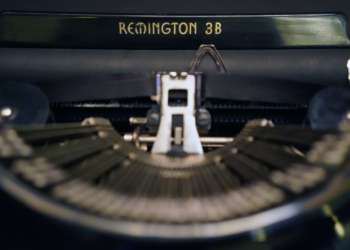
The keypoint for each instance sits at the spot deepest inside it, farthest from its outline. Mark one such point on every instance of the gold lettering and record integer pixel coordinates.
(183, 28)
(165, 28)
(149, 28)
(209, 28)
(131, 28)
(193, 28)
(218, 28)
(140, 28)
(174, 27)
(122, 29)
(155, 28)
(213, 28)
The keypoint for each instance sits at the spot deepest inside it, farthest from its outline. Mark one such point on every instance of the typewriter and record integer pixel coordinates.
(175, 124)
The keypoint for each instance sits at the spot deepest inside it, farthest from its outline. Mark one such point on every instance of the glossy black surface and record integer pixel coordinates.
(179, 6)
(322, 228)
(172, 32)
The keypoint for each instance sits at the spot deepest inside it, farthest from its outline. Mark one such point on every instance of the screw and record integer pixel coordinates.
(203, 120)
(173, 74)
(183, 75)
(348, 65)
(7, 113)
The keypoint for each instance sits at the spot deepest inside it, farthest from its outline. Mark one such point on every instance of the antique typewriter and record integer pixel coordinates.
(175, 124)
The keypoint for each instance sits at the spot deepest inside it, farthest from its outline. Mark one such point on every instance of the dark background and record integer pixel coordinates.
(182, 7)
(25, 234)
(179, 6)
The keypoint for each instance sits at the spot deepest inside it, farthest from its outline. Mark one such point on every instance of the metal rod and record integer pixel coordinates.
(204, 140)
(348, 65)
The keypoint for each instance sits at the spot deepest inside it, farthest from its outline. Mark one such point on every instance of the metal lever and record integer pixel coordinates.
(348, 65)
(208, 49)
(177, 120)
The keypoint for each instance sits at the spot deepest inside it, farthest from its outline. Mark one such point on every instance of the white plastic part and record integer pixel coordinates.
(190, 142)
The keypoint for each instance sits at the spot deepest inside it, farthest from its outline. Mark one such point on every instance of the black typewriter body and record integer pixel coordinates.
(175, 124)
